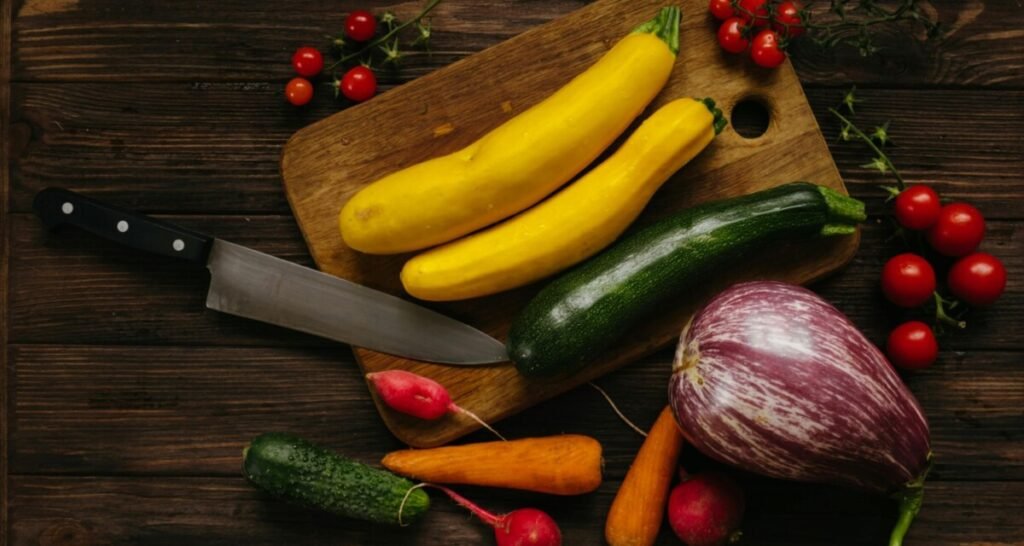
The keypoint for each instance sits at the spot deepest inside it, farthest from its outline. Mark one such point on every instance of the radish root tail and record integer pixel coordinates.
(401, 507)
(475, 417)
(479, 512)
(615, 408)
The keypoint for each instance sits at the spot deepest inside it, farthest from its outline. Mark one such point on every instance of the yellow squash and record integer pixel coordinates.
(520, 162)
(575, 223)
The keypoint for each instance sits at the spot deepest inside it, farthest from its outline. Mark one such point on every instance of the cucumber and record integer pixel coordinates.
(580, 314)
(306, 474)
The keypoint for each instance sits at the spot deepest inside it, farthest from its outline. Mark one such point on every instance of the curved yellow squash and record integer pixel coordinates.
(520, 162)
(575, 223)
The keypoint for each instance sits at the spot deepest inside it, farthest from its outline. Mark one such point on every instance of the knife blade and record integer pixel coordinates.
(255, 285)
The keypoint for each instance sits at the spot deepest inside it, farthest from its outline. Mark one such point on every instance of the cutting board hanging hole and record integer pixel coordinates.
(750, 117)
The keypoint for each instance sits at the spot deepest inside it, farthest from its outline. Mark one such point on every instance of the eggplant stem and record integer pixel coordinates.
(910, 505)
(910, 499)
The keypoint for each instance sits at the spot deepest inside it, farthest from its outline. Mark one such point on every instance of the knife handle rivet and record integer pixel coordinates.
(67, 208)
(178, 245)
(122, 226)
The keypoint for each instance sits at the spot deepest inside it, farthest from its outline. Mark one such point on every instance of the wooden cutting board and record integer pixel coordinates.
(325, 163)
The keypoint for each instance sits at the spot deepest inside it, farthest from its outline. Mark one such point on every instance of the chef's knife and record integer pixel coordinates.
(259, 286)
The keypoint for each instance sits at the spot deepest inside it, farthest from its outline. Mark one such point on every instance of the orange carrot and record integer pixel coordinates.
(635, 516)
(561, 465)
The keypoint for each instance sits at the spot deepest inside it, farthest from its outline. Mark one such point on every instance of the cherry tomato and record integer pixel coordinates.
(978, 279)
(912, 346)
(358, 84)
(917, 207)
(360, 25)
(298, 91)
(721, 9)
(759, 8)
(765, 49)
(958, 231)
(730, 35)
(787, 20)
(908, 280)
(307, 61)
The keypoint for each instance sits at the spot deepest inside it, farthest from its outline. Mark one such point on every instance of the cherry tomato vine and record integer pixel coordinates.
(953, 231)
(367, 43)
(769, 26)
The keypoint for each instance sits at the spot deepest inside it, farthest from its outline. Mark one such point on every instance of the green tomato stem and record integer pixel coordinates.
(867, 140)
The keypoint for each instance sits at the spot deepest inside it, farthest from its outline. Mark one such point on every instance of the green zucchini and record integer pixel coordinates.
(306, 474)
(580, 314)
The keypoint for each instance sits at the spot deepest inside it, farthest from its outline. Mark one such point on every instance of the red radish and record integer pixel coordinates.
(706, 510)
(418, 396)
(523, 527)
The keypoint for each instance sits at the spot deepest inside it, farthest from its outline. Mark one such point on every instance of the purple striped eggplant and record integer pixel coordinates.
(773, 379)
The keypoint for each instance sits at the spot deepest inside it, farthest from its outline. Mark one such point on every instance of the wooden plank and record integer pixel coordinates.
(188, 411)
(71, 287)
(227, 511)
(210, 148)
(972, 53)
(5, 250)
(237, 40)
(938, 139)
(66, 283)
(251, 41)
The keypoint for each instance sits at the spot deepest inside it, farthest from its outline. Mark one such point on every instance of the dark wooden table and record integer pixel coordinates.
(126, 404)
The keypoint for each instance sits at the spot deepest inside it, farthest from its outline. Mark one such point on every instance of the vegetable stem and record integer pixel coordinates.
(871, 143)
(720, 122)
(844, 212)
(479, 512)
(910, 500)
(942, 317)
(387, 36)
(665, 26)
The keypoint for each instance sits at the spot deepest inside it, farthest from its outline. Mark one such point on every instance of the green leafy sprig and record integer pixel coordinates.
(877, 139)
(852, 22)
(845, 22)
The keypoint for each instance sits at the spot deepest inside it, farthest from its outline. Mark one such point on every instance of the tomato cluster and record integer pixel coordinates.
(761, 26)
(358, 84)
(908, 280)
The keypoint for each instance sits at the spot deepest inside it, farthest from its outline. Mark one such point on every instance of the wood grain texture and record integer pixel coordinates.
(215, 147)
(5, 250)
(323, 165)
(234, 40)
(167, 108)
(967, 148)
(227, 511)
(179, 411)
(69, 287)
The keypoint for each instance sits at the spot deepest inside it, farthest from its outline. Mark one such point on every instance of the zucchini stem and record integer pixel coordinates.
(844, 212)
(720, 122)
(665, 26)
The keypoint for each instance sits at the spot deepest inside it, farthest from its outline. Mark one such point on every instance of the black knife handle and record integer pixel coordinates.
(57, 207)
